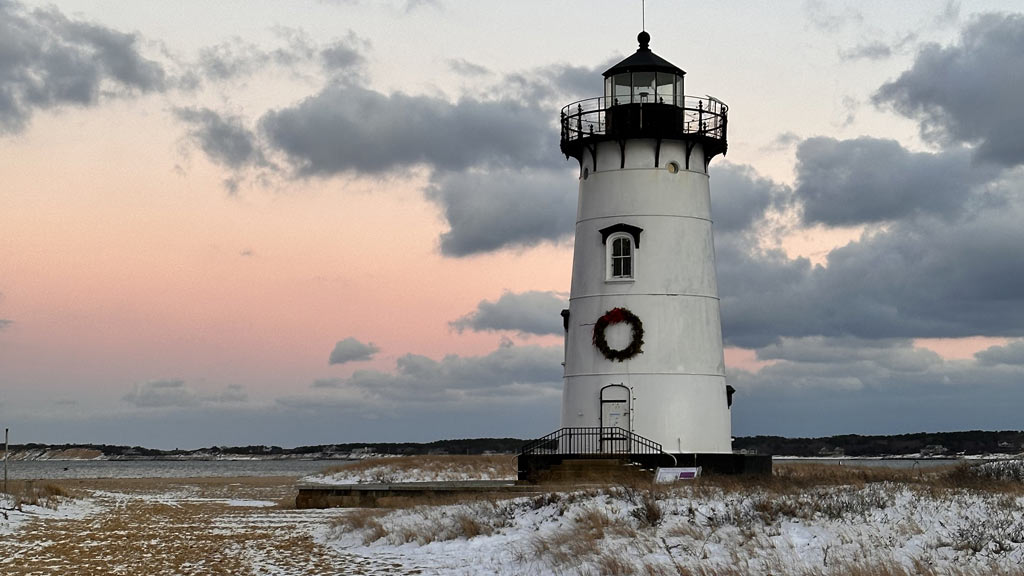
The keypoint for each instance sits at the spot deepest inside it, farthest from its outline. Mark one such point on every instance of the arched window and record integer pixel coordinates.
(621, 244)
(620, 249)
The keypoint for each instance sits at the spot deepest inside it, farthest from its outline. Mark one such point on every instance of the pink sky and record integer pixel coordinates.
(132, 256)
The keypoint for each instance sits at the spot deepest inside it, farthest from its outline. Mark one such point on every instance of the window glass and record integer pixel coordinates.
(665, 88)
(622, 257)
(643, 87)
(679, 92)
(622, 88)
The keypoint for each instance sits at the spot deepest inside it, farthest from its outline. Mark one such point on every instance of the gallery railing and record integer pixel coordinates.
(704, 117)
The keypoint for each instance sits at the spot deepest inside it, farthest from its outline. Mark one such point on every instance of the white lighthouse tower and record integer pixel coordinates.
(643, 352)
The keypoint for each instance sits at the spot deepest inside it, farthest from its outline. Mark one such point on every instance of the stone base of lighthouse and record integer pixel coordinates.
(538, 468)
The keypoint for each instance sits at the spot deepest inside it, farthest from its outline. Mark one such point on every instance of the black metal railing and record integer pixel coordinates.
(705, 117)
(591, 440)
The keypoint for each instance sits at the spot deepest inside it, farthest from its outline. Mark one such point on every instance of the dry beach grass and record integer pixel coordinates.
(447, 467)
(806, 520)
(198, 526)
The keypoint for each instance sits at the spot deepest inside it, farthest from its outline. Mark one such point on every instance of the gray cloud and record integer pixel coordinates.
(176, 394)
(50, 61)
(328, 383)
(346, 128)
(238, 59)
(836, 386)
(532, 312)
(498, 209)
(352, 350)
(924, 277)
(515, 373)
(162, 393)
(849, 182)
(896, 355)
(878, 50)
(496, 171)
(741, 197)
(970, 92)
(950, 14)
(340, 57)
(464, 67)
(827, 17)
(784, 140)
(223, 138)
(1010, 354)
(233, 393)
(230, 60)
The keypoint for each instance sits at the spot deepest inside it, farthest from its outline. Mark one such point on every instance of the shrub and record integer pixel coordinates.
(648, 512)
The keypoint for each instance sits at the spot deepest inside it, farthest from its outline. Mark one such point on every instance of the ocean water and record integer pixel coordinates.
(64, 469)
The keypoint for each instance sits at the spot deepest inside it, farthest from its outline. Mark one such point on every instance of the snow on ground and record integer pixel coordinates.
(182, 527)
(13, 515)
(385, 475)
(825, 530)
(773, 526)
(419, 469)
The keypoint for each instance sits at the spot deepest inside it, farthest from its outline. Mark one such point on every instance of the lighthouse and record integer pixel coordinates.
(643, 334)
(644, 380)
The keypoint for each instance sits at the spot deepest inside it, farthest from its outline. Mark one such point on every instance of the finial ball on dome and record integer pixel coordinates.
(644, 39)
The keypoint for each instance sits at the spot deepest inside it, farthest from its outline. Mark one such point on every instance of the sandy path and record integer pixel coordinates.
(185, 527)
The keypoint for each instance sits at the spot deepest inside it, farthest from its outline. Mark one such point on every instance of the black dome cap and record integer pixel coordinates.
(643, 60)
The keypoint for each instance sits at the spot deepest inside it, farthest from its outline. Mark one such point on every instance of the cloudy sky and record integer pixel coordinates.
(298, 223)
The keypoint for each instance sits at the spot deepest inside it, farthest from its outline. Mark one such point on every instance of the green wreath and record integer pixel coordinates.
(615, 316)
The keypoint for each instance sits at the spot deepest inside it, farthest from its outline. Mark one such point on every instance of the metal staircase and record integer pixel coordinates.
(592, 444)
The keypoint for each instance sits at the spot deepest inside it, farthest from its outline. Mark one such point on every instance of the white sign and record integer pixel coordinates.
(670, 475)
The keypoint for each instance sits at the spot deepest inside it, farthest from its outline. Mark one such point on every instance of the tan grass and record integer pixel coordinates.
(43, 493)
(133, 533)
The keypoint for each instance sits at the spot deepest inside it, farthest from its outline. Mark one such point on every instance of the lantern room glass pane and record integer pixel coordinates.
(643, 87)
(679, 92)
(622, 88)
(608, 90)
(665, 89)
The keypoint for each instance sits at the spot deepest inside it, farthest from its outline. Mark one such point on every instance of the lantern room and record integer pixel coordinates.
(644, 78)
(644, 98)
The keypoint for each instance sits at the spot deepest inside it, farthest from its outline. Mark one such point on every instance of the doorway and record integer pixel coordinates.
(615, 419)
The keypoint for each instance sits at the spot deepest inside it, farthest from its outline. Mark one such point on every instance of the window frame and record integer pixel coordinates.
(610, 257)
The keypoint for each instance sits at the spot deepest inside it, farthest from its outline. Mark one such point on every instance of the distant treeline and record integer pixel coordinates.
(935, 444)
(461, 446)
